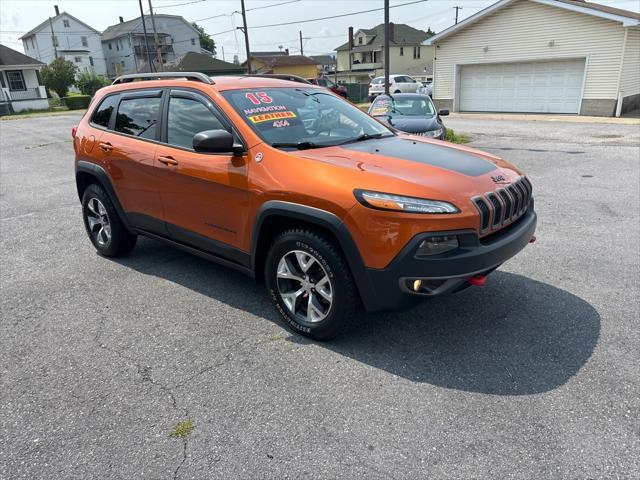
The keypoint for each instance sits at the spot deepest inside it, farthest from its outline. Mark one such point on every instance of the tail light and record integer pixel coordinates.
(371, 85)
(74, 129)
(389, 84)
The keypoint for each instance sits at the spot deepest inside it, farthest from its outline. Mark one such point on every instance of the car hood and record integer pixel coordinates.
(416, 166)
(413, 124)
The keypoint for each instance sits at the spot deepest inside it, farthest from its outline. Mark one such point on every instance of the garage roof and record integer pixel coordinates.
(626, 17)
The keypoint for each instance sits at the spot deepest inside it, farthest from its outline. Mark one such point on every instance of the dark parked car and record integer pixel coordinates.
(330, 84)
(411, 113)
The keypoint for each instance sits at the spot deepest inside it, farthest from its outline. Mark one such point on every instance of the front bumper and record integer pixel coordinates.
(447, 272)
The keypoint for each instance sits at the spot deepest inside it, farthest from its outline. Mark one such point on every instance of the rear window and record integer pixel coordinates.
(102, 114)
(138, 117)
(378, 80)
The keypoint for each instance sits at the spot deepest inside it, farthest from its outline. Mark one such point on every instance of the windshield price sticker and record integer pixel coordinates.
(379, 111)
(265, 117)
(258, 97)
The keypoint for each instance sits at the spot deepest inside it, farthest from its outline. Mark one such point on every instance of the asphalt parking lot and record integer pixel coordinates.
(533, 376)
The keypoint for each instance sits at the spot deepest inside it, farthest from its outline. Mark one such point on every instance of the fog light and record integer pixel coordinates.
(417, 284)
(436, 245)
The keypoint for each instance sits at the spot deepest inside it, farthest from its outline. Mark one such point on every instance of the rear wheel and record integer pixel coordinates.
(105, 229)
(310, 284)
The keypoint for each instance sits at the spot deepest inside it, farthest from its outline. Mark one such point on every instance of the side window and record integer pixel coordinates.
(138, 116)
(322, 82)
(185, 118)
(102, 114)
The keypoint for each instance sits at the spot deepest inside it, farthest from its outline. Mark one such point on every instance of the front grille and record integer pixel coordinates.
(503, 206)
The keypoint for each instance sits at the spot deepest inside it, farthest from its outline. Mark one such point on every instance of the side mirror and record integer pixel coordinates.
(215, 141)
(443, 113)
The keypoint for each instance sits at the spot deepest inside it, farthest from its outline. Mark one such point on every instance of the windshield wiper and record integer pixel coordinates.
(364, 136)
(299, 145)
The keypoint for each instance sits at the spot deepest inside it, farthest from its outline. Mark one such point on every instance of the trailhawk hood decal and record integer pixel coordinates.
(442, 156)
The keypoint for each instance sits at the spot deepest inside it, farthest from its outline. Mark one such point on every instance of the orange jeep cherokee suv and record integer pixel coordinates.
(294, 186)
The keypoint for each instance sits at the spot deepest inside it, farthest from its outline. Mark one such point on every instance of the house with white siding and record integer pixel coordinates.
(542, 56)
(20, 84)
(125, 44)
(65, 36)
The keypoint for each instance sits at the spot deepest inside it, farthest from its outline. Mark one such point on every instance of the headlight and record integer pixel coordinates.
(434, 133)
(387, 201)
(436, 245)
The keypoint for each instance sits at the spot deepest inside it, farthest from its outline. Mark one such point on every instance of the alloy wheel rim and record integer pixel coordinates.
(304, 286)
(98, 221)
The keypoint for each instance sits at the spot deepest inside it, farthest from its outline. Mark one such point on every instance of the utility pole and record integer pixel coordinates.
(301, 48)
(386, 47)
(457, 8)
(155, 37)
(222, 46)
(245, 30)
(53, 39)
(135, 58)
(146, 44)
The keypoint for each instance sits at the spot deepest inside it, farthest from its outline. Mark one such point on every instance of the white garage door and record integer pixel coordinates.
(541, 87)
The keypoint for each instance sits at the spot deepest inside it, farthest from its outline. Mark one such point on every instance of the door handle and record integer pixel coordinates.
(167, 160)
(106, 146)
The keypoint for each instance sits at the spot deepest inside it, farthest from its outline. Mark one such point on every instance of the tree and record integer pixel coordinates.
(206, 41)
(59, 76)
(89, 82)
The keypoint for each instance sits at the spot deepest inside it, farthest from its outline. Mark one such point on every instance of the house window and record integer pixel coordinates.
(65, 23)
(118, 45)
(416, 52)
(85, 43)
(193, 41)
(122, 63)
(359, 40)
(32, 44)
(55, 41)
(110, 46)
(91, 61)
(16, 80)
(77, 59)
(402, 51)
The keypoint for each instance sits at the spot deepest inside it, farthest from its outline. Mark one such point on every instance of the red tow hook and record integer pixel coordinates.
(532, 239)
(478, 280)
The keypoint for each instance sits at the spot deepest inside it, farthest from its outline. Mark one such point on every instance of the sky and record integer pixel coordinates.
(319, 37)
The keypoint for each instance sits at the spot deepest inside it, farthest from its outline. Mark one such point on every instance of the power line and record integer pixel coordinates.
(325, 18)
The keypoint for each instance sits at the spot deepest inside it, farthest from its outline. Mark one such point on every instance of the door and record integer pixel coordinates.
(127, 149)
(205, 196)
(538, 87)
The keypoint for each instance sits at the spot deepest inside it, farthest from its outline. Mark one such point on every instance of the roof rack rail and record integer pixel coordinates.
(279, 76)
(195, 76)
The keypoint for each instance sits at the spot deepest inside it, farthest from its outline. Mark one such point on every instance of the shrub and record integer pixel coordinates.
(77, 102)
(89, 82)
(453, 137)
(59, 75)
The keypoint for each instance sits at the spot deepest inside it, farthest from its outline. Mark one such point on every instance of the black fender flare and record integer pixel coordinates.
(101, 175)
(330, 222)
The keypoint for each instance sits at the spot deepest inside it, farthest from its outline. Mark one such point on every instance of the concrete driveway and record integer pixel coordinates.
(533, 376)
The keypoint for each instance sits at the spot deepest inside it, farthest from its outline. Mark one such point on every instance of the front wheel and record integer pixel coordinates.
(310, 284)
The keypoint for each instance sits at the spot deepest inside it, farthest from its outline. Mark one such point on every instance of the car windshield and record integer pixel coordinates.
(415, 107)
(303, 117)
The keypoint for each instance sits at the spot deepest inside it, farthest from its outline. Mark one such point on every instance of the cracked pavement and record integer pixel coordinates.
(533, 376)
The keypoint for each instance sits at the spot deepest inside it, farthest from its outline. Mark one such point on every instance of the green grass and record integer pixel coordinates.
(36, 113)
(454, 137)
(182, 429)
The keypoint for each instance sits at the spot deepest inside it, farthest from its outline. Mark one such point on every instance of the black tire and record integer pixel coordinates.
(397, 91)
(329, 262)
(97, 206)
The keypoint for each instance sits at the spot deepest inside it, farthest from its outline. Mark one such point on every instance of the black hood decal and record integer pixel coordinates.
(427, 153)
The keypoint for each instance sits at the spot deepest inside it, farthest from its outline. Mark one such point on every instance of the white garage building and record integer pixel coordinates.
(541, 56)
